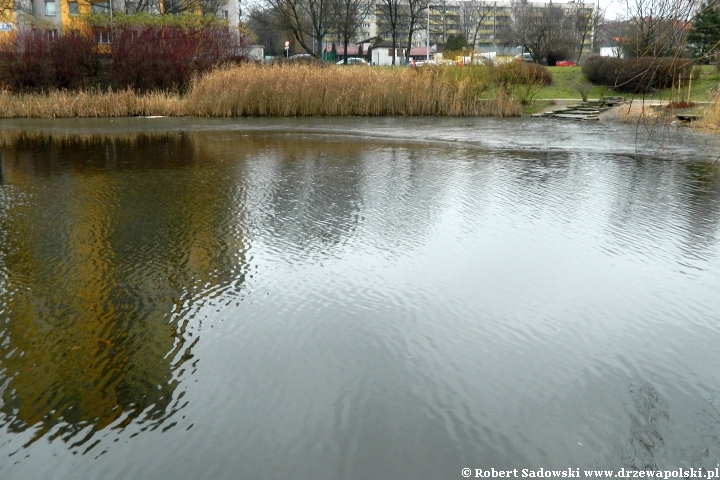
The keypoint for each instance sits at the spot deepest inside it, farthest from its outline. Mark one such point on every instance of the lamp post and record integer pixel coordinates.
(428, 31)
(427, 60)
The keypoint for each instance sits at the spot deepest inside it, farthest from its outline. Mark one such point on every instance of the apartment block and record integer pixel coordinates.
(461, 16)
(59, 15)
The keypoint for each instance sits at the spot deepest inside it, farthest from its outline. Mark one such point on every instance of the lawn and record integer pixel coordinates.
(565, 77)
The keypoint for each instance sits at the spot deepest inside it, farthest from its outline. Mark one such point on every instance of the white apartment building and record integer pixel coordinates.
(446, 18)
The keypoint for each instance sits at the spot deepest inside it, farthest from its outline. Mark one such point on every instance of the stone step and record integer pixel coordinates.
(569, 116)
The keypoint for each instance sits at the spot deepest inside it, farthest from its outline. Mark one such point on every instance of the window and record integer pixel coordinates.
(73, 8)
(52, 35)
(101, 7)
(50, 8)
(224, 14)
(101, 35)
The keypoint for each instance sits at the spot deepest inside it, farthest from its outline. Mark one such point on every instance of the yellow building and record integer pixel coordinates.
(58, 16)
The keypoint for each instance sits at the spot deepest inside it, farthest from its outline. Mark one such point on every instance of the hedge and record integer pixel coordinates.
(637, 75)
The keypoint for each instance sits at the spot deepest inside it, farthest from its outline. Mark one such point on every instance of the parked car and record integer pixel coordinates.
(565, 63)
(526, 57)
(354, 61)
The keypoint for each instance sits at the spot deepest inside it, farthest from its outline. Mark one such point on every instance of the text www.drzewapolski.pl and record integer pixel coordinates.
(577, 473)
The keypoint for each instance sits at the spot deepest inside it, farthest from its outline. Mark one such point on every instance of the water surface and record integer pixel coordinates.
(355, 299)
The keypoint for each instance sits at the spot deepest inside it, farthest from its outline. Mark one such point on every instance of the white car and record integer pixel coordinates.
(353, 61)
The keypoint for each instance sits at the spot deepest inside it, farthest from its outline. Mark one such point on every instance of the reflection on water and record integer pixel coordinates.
(234, 303)
(101, 269)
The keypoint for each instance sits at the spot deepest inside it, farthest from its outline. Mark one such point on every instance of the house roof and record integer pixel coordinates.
(420, 51)
(368, 40)
(340, 49)
(388, 44)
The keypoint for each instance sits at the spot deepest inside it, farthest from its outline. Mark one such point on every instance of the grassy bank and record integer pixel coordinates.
(565, 77)
(288, 90)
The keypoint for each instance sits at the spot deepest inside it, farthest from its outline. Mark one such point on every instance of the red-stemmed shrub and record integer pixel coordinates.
(75, 62)
(39, 60)
(143, 57)
(150, 57)
(26, 63)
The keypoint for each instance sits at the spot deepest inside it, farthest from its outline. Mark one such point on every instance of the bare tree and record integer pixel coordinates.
(319, 15)
(656, 27)
(415, 15)
(390, 16)
(582, 19)
(268, 35)
(441, 27)
(541, 30)
(349, 16)
(302, 19)
(473, 14)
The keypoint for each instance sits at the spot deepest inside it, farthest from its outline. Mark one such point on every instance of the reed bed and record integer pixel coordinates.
(286, 91)
(58, 104)
(306, 90)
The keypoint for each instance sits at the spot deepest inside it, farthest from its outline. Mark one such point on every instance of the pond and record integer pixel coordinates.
(355, 298)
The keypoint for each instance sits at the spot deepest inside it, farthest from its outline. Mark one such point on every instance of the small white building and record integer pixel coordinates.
(382, 54)
(612, 48)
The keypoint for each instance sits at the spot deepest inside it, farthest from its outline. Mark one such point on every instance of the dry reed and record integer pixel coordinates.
(288, 90)
(306, 90)
(711, 117)
(57, 104)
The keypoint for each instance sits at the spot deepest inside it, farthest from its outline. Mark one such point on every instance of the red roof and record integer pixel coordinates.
(420, 51)
(352, 49)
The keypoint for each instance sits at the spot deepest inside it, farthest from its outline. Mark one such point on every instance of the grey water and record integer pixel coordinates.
(355, 298)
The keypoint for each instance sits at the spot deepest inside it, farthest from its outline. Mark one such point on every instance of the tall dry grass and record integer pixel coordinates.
(711, 117)
(307, 90)
(58, 104)
(289, 90)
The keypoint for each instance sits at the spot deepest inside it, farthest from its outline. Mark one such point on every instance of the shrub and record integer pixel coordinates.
(159, 57)
(152, 56)
(38, 61)
(583, 88)
(75, 63)
(521, 80)
(636, 75)
(514, 73)
(27, 62)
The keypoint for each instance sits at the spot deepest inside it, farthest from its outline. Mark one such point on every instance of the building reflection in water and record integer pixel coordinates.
(108, 247)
